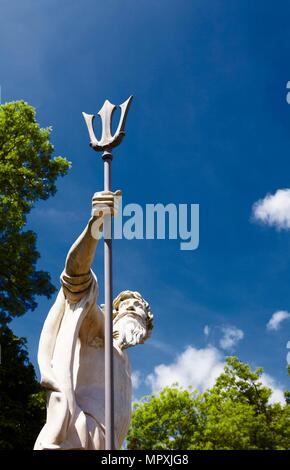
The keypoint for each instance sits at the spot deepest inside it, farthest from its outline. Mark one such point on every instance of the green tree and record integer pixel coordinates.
(166, 421)
(22, 410)
(27, 173)
(234, 414)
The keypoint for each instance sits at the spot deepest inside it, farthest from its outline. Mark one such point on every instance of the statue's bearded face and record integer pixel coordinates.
(130, 325)
(132, 306)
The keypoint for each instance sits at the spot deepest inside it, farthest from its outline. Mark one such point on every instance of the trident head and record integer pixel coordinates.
(106, 113)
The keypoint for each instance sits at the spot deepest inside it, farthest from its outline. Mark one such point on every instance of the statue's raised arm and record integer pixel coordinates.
(77, 277)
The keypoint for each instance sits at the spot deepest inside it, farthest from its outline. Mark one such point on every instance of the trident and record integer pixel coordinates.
(105, 145)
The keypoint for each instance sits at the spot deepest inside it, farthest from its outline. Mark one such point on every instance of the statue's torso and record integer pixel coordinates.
(90, 388)
(89, 374)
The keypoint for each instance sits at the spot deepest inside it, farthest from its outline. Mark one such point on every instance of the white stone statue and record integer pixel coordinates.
(71, 350)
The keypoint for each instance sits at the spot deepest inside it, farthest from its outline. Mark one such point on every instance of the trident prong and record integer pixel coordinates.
(106, 113)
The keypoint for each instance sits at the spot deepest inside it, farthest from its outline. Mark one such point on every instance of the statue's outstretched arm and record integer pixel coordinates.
(81, 255)
(76, 278)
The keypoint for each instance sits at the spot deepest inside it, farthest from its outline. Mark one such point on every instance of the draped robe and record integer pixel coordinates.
(71, 361)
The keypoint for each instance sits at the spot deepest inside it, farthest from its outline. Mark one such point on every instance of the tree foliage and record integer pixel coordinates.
(234, 414)
(27, 173)
(22, 410)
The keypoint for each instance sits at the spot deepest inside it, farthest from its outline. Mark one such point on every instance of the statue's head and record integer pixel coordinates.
(132, 319)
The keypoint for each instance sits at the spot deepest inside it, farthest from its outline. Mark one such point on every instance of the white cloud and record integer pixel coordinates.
(277, 395)
(231, 336)
(196, 367)
(199, 369)
(276, 320)
(274, 209)
(136, 379)
(206, 330)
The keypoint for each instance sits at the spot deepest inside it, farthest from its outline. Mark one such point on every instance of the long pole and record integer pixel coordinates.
(109, 371)
(105, 144)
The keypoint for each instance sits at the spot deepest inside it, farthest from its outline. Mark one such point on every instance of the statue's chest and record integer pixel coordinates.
(90, 365)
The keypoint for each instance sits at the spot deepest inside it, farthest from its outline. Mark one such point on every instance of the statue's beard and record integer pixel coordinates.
(137, 336)
(126, 336)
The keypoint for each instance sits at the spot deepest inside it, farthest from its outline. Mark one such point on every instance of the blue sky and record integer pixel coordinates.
(209, 125)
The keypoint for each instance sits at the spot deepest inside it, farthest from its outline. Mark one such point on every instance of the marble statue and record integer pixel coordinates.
(71, 349)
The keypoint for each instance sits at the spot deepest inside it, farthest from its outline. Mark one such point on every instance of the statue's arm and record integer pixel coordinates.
(81, 255)
(77, 278)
